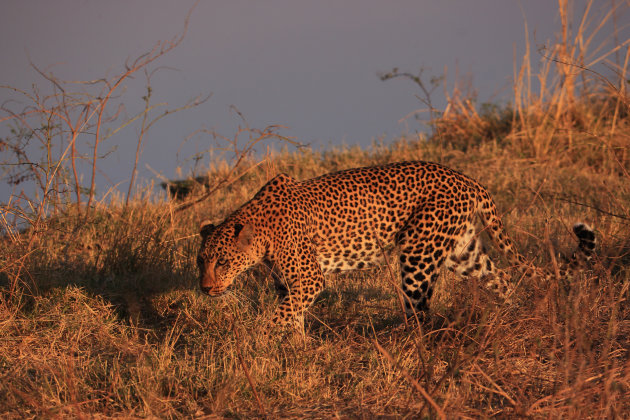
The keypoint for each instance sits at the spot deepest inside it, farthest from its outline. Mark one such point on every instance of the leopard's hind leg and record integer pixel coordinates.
(424, 244)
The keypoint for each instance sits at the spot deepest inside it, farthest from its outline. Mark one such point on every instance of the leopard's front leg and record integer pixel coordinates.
(304, 280)
(290, 312)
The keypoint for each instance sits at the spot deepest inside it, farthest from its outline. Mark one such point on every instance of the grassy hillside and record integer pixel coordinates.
(100, 312)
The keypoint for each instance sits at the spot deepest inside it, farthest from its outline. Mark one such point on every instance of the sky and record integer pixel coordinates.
(310, 66)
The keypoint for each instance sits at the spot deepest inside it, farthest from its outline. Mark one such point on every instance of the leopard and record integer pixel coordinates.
(345, 220)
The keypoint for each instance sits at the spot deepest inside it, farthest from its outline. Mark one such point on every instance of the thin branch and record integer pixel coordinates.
(571, 201)
(140, 62)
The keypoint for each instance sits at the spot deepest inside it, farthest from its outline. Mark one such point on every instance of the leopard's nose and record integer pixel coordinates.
(206, 290)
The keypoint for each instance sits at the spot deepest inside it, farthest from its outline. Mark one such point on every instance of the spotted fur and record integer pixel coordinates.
(344, 220)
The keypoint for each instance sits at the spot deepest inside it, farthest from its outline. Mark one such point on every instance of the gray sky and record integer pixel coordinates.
(309, 65)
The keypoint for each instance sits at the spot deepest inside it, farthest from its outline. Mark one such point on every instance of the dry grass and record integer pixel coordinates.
(101, 316)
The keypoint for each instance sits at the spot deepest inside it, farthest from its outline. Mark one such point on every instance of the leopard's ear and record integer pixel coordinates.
(244, 235)
(205, 228)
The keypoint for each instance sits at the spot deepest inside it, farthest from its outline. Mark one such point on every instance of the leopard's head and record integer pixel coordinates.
(226, 251)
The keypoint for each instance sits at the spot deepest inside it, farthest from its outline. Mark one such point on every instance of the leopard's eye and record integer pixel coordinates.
(221, 261)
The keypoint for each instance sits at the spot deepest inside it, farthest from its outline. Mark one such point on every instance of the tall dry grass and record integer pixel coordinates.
(100, 313)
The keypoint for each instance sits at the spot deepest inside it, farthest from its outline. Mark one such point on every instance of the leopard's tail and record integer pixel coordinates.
(487, 211)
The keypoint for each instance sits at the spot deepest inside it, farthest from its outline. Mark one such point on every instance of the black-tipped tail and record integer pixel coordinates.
(586, 238)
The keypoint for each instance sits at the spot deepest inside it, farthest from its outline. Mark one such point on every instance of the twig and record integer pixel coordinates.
(568, 200)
